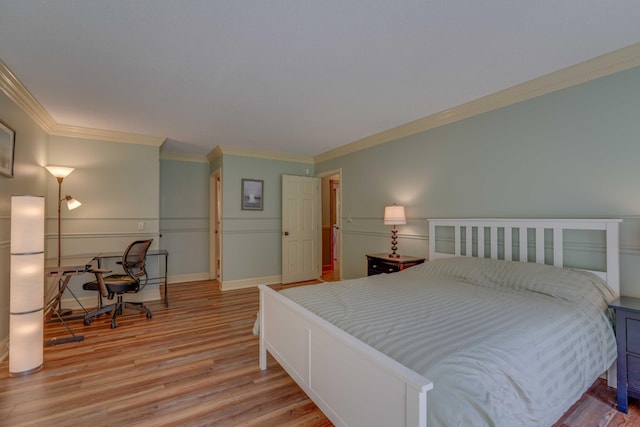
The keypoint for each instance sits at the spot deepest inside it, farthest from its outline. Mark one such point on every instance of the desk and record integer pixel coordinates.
(161, 280)
(59, 279)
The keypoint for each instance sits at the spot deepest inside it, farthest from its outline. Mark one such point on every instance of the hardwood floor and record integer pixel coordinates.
(193, 364)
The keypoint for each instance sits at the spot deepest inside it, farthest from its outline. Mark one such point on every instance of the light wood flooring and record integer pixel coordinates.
(193, 364)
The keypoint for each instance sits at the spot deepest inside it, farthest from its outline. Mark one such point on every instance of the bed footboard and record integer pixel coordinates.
(352, 383)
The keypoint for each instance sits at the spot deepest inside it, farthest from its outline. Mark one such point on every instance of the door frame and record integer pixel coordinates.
(338, 212)
(215, 232)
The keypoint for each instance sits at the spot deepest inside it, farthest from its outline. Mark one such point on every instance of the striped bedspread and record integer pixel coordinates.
(505, 343)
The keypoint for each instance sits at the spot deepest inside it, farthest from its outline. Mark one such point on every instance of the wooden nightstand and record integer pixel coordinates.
(628, 339)
(382, 263)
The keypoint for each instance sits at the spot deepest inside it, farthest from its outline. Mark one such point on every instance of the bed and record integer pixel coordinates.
(489, 332)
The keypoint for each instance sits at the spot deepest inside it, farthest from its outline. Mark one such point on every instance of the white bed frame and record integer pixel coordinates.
(356, 385)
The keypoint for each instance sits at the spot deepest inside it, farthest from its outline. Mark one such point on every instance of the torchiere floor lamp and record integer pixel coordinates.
(61, 172)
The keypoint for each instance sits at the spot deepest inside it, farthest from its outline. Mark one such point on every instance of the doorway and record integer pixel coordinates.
(331, 231)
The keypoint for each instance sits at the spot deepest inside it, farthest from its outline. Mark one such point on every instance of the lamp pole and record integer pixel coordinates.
(59, 206)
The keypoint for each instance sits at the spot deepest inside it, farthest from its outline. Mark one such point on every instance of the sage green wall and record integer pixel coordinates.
(29, 178)
(251, 241)
(119, 187)
(571, 153)
(184, 218)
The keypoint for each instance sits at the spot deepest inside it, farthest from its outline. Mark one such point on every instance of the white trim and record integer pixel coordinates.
(221, 150)
(228, 285)
(183, 157)
(106, 135)
(604, 65)
(15, 90)
(18, 93)
(90, 302)
(191, 277)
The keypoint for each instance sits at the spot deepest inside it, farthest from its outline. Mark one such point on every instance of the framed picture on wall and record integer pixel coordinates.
(252, 194)
(7, 145)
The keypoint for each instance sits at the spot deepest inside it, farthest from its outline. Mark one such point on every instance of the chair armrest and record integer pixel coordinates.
(102, 287)
(99, 270)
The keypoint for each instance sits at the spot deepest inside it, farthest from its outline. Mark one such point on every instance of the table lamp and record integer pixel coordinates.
(394, 215)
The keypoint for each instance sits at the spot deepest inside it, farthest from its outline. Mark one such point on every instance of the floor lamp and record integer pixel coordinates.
(61, 172)
(26, 323)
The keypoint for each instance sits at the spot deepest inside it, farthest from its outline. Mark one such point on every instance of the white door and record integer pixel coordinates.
(301, 232)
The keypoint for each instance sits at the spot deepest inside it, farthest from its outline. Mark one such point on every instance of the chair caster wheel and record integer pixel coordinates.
(149, 315)
(87, 322)
(114, 325)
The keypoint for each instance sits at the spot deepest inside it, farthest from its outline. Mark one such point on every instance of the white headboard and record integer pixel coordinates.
(487, 234)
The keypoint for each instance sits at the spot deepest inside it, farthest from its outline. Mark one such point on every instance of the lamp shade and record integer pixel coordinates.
(27, 224)
(26, 299)
(394, 215)
(59, 171)
(72, 203)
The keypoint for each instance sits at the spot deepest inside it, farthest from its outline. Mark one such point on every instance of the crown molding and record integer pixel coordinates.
(604, 65)
(601, 66)
(18, 93)
(246, 152)
(107, 135)
(183, 157)
(15, 90)
(214, 154)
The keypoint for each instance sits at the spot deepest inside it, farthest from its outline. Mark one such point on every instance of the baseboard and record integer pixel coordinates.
(228, 285)
(4, 348)
(193, 277)
(150, 293)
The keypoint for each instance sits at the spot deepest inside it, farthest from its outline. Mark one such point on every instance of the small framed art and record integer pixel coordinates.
(7, 145)
(252, 194)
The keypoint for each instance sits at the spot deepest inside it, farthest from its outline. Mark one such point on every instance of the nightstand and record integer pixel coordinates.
(628, 340)
(383, 263)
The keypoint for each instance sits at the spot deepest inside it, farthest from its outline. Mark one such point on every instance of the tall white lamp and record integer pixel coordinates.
(394, 215)
(61, 172)
(26, 301)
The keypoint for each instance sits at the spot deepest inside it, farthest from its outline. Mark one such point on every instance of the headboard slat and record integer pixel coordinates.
(540, 245)
(480, 242)
(494, 242)
(508, 243)
(558, 247)
(524, 249)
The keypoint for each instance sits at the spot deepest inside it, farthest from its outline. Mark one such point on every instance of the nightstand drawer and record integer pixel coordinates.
(633, 336)
(377, 267)
(383, 263)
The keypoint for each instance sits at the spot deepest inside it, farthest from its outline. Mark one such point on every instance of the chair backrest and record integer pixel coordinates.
(134, 257)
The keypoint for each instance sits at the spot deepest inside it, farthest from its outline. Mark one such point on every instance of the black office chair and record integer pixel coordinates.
(133, 264)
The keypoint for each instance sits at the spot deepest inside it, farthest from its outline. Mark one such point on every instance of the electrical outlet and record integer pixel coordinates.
(141, 225)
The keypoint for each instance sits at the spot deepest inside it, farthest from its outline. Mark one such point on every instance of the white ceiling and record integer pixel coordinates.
(292, 76)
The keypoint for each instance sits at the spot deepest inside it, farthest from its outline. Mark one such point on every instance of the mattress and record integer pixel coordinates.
(505, 343)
